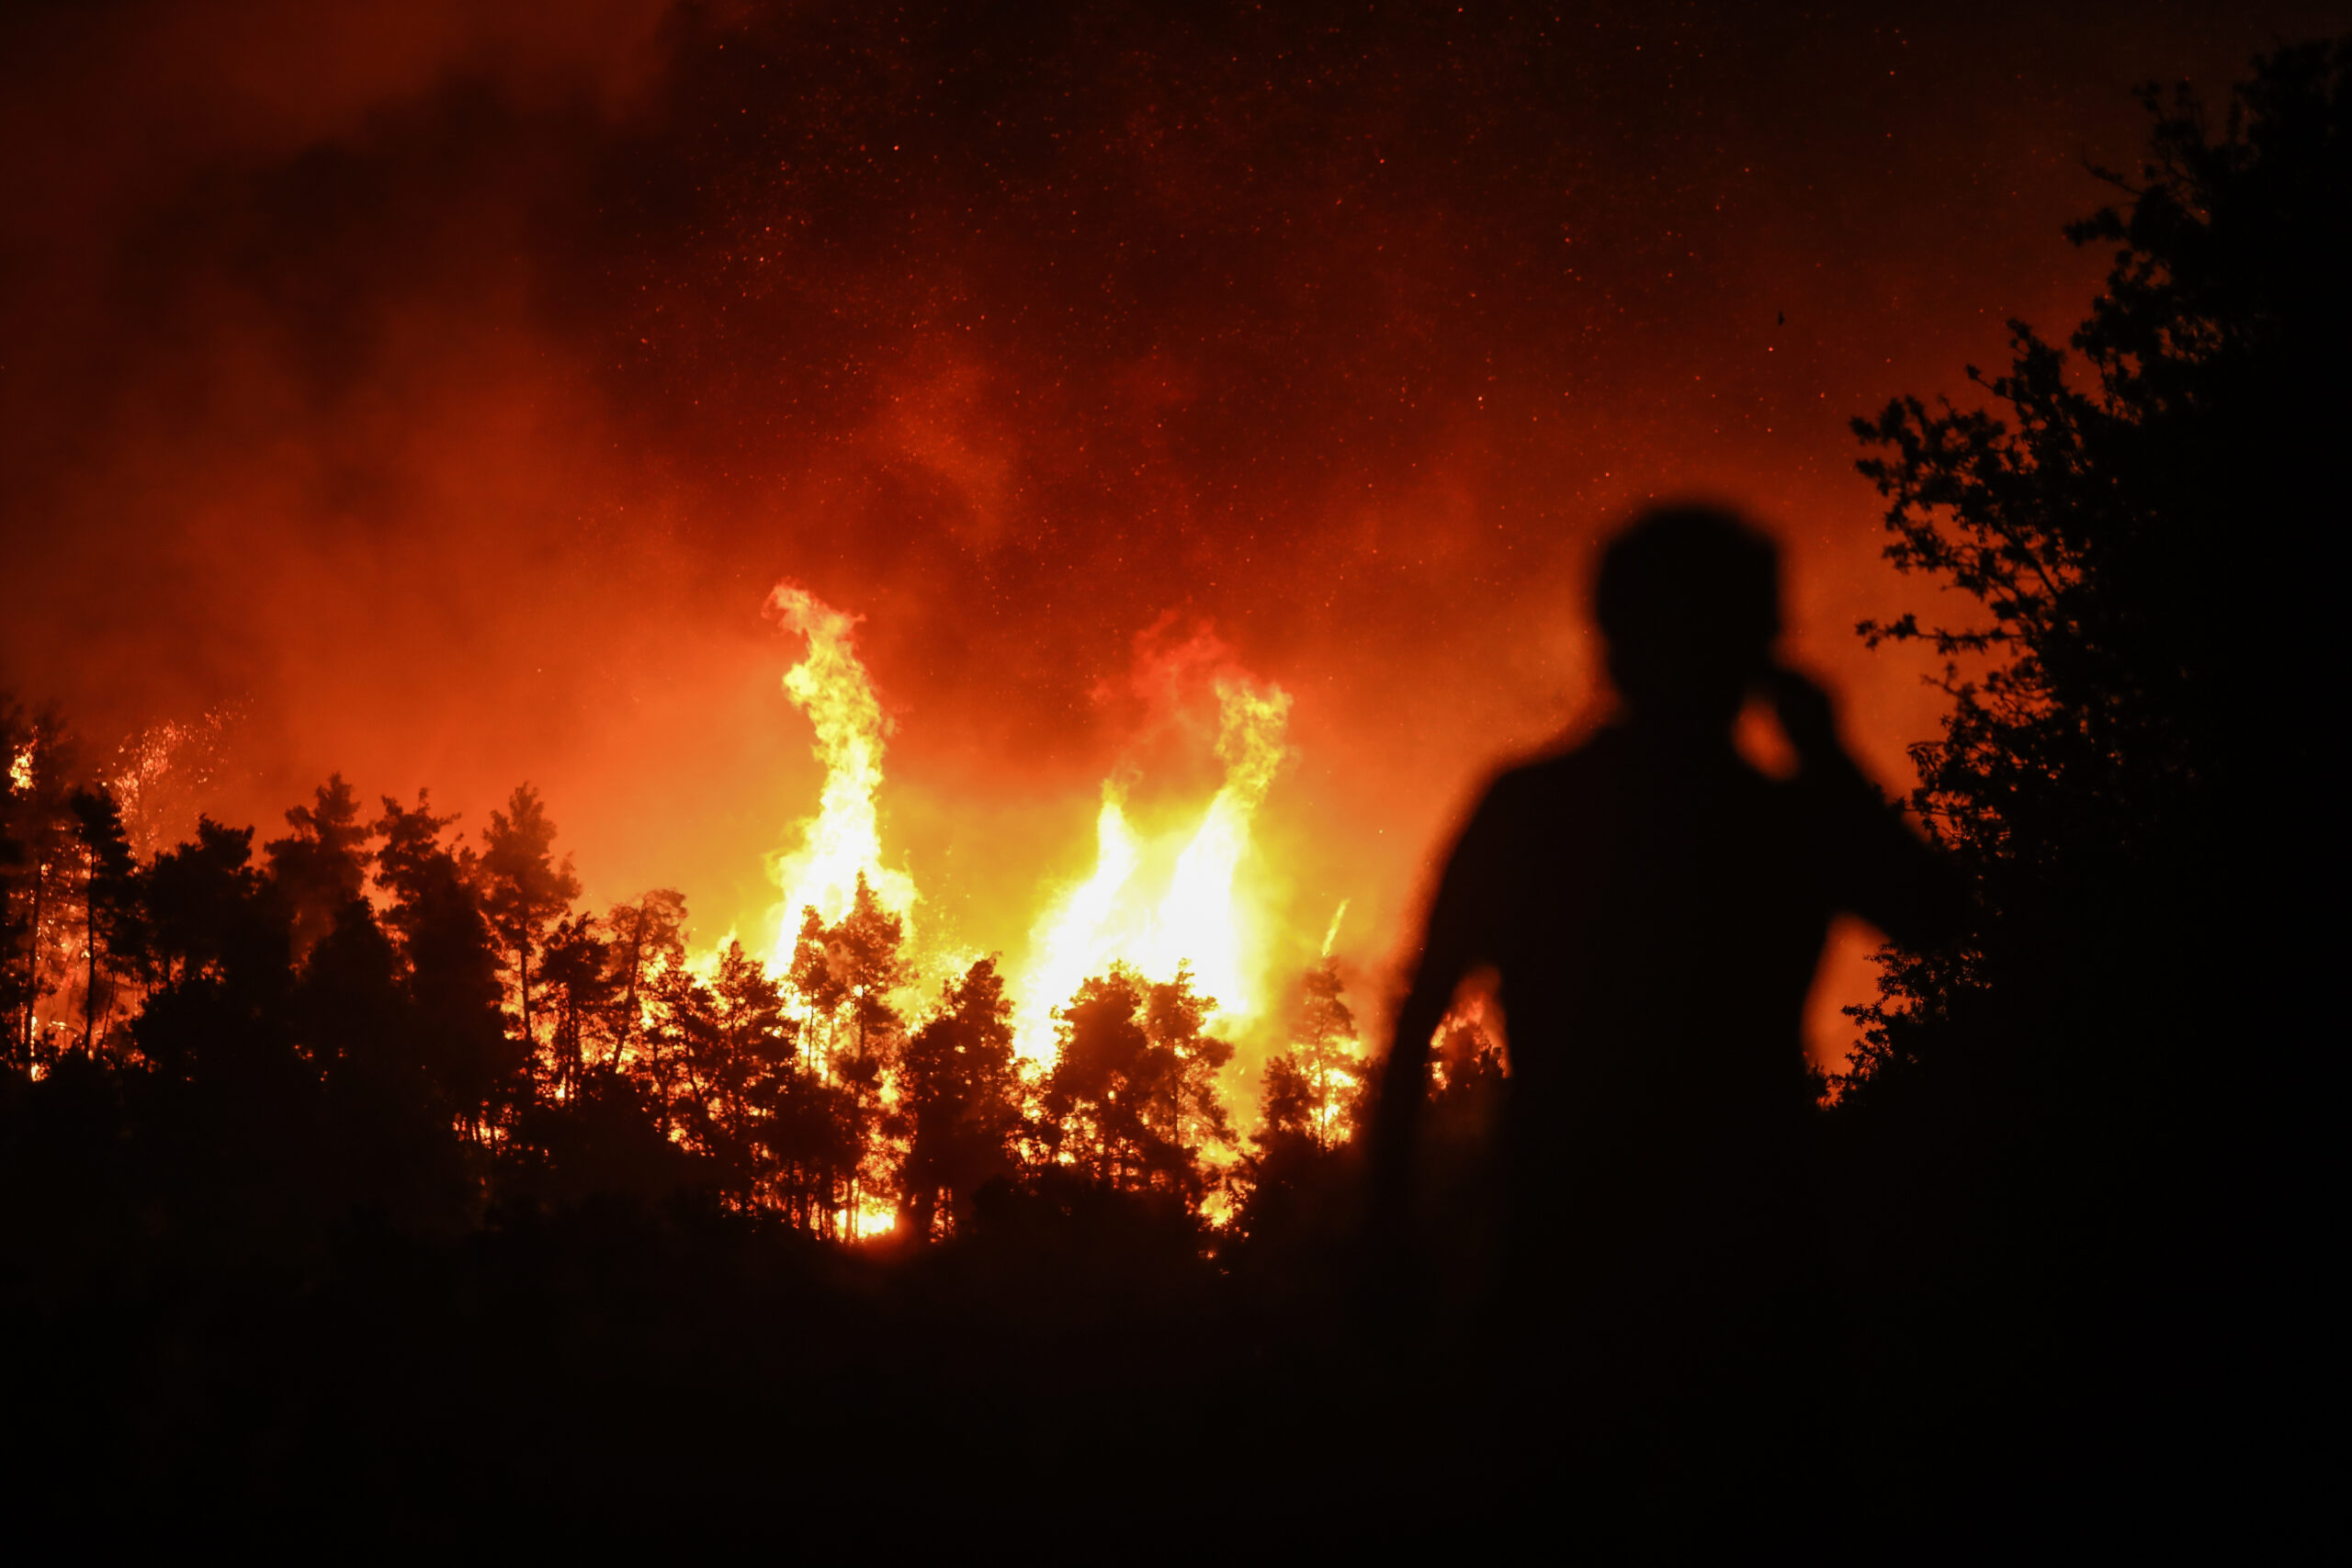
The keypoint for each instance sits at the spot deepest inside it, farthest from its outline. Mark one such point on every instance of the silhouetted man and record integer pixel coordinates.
(1655, 908)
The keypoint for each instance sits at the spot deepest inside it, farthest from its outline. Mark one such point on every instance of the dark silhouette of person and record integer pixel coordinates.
(1654, 909)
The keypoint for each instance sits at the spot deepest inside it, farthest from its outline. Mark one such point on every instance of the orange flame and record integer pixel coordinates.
(1200, 918)
(842, 838)
(1156, 905)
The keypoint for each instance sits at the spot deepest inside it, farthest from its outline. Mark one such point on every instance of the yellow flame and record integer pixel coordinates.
(1079, 936)
(867, 1221)
(703, 963)
(1198, 919)
(831, 686)
(20, 768)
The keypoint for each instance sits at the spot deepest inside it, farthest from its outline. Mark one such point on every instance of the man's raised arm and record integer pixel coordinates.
(1885, 873)
(1457, 940)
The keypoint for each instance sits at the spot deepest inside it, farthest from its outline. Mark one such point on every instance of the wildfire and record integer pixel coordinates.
(1077, 938)
(1199, 918)
(831, 686)
(1190, 913)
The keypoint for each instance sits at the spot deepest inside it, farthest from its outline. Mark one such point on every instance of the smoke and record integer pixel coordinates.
(442, 388)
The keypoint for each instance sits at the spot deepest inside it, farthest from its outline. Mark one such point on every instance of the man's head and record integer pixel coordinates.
(1689, 598)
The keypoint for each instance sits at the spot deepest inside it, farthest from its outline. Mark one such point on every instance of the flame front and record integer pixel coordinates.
(1200, 919)
(842, 840)
(1121, 913)
(1199, 922)
(1079, 935)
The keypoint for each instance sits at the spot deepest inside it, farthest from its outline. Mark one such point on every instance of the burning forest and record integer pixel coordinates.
(837, 1072)
(1096, 780)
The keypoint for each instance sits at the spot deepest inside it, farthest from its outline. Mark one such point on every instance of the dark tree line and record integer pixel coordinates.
(2142, 529)
(457, 990)
(2106, 1105)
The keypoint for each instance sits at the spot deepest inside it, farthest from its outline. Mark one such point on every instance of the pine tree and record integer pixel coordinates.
(849, 974)
(322, 864)
(959, 1101)
(524, 892)
(449, 963)
(113, 915)
(642, 937)
(39, 836)
(1316, 1088)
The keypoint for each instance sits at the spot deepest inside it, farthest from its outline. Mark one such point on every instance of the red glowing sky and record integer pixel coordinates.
(441, 393)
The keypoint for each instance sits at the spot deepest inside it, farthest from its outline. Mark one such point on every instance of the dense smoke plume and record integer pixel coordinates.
(436, 393)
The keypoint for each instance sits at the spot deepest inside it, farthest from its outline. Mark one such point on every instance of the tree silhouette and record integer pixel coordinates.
(643, 936)
(353, 1019)
(1131, 1100)
(1314, 1089)
(1176, 1018)
(322, 864)
(2135, 528)
(2138, 675)
(576, 974)
(223, 950)
(1297, 1184)
(847, 974)
(451, 966)
(523, 891)
(734, 1047)
(113, 926)
(39, 830)
(959, 1101)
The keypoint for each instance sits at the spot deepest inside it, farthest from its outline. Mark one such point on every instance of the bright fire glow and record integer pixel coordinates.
(831, 686)
(1156, 905)
(867, 1220)
(1077, 937)
(1200, 918)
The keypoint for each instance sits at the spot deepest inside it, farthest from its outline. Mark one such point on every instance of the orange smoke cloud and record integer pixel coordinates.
(440, 387)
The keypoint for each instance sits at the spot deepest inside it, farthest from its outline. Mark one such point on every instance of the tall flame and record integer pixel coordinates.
(1080, 935)
(831, 686)
(1198, 919)
(1120, 913)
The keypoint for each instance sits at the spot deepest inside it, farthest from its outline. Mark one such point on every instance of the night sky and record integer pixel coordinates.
(437, 396)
